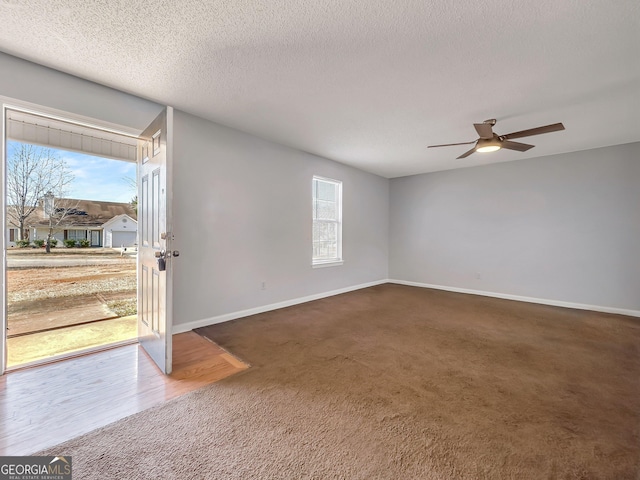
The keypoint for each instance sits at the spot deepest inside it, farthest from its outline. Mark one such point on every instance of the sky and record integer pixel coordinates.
(97, 178)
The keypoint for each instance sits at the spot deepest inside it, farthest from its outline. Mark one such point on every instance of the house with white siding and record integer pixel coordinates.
(104, 224)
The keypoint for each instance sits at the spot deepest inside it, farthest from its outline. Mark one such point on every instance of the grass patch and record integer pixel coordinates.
(123, 308)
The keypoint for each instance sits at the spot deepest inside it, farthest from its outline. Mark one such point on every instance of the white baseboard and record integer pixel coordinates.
(185, 327)
(506, 296)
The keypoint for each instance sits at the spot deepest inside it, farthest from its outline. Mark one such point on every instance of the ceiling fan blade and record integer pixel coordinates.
(520, 147)
(451, 144)
(484, 130)
(534, 131)
(466, 154)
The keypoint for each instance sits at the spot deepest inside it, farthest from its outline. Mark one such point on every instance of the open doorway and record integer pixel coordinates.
(70, 237)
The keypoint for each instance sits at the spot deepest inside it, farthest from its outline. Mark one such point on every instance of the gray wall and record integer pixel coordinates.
(242, 216)
(564, 227)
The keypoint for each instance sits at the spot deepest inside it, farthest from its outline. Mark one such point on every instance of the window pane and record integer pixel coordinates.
(77, 234)
(326, 220)
(325, 232)
(325, 250)
(326, 191)
(326, 210)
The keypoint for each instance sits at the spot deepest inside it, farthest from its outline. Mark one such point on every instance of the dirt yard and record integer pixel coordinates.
(50, 297)
(29, 284)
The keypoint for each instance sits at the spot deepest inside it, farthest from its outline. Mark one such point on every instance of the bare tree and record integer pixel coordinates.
(134, 186)
(56, 210)
(33, 171)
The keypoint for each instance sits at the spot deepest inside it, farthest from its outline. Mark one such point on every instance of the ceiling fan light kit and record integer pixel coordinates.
(485, 145)
(491, 142)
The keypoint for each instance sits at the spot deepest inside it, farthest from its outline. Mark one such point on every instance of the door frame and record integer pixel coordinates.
(8, 103)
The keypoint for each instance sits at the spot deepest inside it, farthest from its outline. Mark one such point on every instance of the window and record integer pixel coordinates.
(76, 235)
(327, 221)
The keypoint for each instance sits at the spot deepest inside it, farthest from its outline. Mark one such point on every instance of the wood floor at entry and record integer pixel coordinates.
(46, 405)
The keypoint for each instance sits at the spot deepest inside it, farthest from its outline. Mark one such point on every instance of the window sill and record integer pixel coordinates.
(333, 263)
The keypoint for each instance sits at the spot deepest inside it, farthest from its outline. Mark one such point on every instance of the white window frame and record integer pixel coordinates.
(328, 262)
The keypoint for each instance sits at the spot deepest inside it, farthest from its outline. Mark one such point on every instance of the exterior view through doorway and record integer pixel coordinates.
(71, 238)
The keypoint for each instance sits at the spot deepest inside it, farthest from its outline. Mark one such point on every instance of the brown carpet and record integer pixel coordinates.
(396, 382)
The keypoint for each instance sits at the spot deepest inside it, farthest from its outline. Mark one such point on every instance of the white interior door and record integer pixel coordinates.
(154, 243)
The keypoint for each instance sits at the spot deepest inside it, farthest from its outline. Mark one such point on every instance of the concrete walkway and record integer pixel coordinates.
(57, 315)
(45, 345)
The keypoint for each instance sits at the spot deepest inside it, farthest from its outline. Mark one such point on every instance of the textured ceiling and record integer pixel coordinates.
(366, 83)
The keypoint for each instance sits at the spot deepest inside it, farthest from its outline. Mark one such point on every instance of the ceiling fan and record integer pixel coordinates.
(490, 142)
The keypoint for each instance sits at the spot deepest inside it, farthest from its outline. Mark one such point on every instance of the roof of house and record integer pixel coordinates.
(82, 213)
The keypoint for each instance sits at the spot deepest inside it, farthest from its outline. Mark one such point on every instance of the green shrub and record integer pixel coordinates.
(69, 243)
(84, 243)
(53, 242)
(38, 242)
(22, 243)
